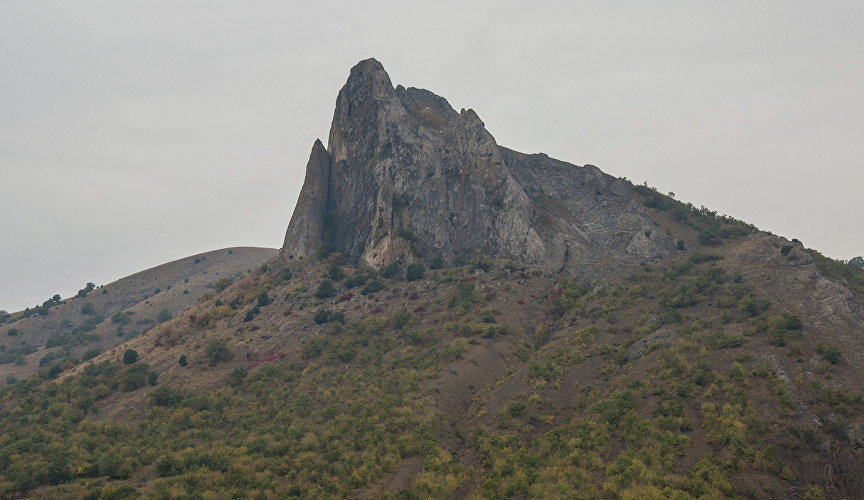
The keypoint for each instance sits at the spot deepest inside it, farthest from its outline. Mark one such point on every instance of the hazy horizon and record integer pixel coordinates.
(134, 134)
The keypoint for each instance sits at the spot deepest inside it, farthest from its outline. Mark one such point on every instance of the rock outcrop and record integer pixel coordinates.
(405, 178)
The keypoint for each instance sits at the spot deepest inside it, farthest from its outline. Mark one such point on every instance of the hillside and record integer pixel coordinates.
(509, 326)
(110, 314)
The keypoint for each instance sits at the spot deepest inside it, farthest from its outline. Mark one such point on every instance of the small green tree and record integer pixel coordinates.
(218, 351)
(163, 316)
(325, 289)
(89, 287)
(390, 270)
(321, 317)
(236, 378)
(88, 308)
(130, 356)
(336, 273)
(414, 272)
(182, 361)
(832, 355)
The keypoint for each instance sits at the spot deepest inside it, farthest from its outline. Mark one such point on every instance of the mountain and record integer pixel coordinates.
(452, 319)
(101, 317)
(406, 178)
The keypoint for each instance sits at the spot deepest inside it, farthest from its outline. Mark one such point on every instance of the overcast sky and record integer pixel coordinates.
(134, 133)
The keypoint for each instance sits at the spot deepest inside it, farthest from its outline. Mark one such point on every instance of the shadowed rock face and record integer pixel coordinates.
(407, 178)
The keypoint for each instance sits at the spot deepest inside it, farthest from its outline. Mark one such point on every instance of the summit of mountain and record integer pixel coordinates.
(405, 178)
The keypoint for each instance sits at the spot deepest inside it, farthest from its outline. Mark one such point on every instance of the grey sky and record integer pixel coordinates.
(134, 133)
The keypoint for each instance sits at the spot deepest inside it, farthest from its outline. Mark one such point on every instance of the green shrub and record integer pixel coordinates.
(87, 289)
(832, 355)
(400, 318)
(325, 290)
(264, 299)
(122, 318)
(251, 313)
(168, 466)
(337, 317)
(163, 316)
(390, 270)
(237, 376)
(223, 283)
(792, 322)
(12, 332)
(182, 361)
(90, 354)
(336, 273)
(87, 325)
(88, 308)
(414, 272)
(437, 262)
(218, 351)
(130, 356)
(515, 409)
(321, 317)
(372, 287)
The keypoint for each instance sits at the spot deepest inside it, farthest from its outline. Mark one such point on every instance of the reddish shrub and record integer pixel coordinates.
(376, 310)
(247, 284)
(520, 302)
(335, 258)
(346, 296)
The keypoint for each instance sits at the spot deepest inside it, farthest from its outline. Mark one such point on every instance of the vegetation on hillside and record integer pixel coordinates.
(655, 385)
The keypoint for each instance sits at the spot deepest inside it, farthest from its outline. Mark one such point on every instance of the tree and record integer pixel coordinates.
(182, 361)
(89, 287)
(390, 270)
(336, 273)
(325, 289)
(832, 355)
(130, 356)
(218, 351)
(321, 317)
(163, 316)
(414, 272)
(857, 262)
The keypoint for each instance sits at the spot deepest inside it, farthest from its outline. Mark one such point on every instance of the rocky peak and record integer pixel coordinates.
(405, 178)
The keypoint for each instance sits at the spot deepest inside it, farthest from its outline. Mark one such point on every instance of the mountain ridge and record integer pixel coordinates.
(399, 361)
(406, 178)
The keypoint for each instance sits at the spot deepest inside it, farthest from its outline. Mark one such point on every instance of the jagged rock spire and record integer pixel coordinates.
(405, 177)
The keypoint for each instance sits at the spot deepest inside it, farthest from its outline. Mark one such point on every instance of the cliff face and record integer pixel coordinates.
(406, 178)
